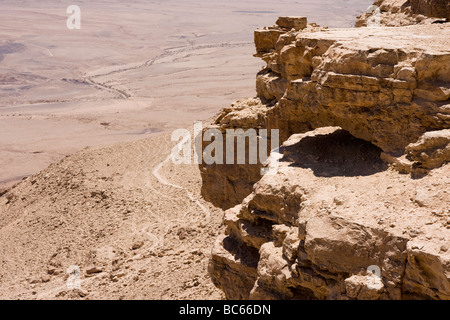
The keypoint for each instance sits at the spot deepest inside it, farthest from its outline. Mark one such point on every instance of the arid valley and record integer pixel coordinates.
(131, 70)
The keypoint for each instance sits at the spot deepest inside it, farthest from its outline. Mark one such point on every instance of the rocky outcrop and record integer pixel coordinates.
(396, 13)
(386, 86)
(386, 92)
(323, 224)
(336, 221)
(431, 151)
(225, 185)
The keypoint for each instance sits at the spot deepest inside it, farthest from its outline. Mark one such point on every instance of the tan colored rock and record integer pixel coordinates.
(431, 151)
(317, 249)
(347, 102)
(352, 76)
(297, 23)
(227, 185)
(265, 39)
(291, 245)
(270, 85)
(252, 233)
(343, 247)
(364, 287)
(233, 268)
(388, 92)
(427, 272)
(395, 13)
(431, 8)
(92, 270)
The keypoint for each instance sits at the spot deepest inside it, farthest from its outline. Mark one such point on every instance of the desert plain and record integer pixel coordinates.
(133, 69)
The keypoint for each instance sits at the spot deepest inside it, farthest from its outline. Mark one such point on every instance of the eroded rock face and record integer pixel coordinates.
(335, 221)
(384, 85)
(225, 185)
(431, 8)
(316, 233)
(388, 93)
(396, 13)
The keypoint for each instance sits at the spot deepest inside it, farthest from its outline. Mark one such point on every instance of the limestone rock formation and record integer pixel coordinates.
(225, 185)
(324, 223)
(384, 85)
(432, 150)
(356, 109)
(396, 13)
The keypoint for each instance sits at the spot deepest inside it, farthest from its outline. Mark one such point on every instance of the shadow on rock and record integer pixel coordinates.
(335, 154)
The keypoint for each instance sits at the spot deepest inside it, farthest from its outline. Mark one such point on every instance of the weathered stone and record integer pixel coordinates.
(364, 287)
(431, 8)
(297, 23)
(93, 270)
(266, 39)
(270, 85)
(396, 13)
(233, 267)
(431, 151)
(427, 273)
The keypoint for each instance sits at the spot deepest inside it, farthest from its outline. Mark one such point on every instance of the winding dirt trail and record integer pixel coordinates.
(132, 221)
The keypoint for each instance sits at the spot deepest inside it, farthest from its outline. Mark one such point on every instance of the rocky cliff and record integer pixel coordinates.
(362, 182)
(396, 13)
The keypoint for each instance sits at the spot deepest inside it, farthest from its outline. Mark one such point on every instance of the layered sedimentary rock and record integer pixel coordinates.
(331, 216)
(396, 13)
(356, 109)
(384, 85)
(225, 185)
(383, 91)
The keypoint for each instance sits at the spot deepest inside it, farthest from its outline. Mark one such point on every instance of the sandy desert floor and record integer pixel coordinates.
(131, 70)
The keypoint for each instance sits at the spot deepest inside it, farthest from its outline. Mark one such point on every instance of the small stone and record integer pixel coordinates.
(3, 191)
(81, 293)
(421, 199)
(297, 23)
(93, 270)
(137, 245)
(414, 233)
(182, 234)
(339, 201)
(196, 252)
(444, 248)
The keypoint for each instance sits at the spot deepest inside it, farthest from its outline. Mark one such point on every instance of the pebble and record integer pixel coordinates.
(93, 270)
(137, 245)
